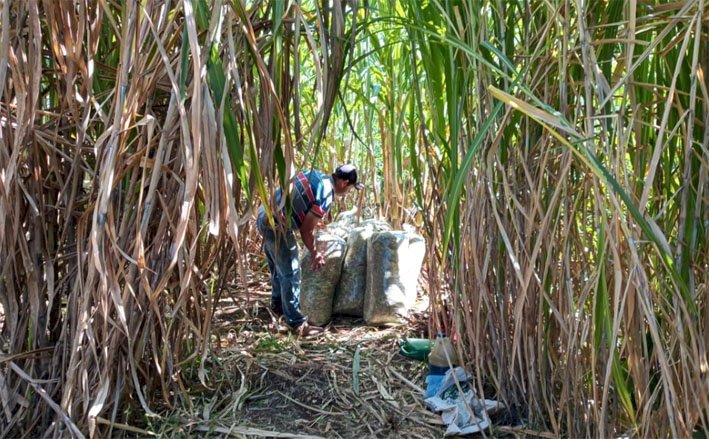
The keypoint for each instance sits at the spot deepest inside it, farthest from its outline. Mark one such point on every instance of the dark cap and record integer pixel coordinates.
(348, 172)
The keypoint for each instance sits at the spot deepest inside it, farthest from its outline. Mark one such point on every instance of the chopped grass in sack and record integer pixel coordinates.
(349, 294)
(318, 287)
(393, 266)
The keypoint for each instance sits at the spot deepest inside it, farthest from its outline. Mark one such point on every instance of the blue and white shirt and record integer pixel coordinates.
(313, 191)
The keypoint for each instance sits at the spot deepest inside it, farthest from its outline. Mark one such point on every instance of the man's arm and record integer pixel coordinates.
(306, 232)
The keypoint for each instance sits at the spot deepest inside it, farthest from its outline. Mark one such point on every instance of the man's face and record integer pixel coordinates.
(342, 187)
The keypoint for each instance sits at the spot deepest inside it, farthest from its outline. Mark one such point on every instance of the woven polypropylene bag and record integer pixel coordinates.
(393, 266)
(349, 294)
(317, 288)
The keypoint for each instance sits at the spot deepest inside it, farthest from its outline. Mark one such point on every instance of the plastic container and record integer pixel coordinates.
(438, 364)
(416, 348)
(441, 352)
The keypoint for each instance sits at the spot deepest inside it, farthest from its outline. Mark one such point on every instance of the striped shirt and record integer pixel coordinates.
(313, 191)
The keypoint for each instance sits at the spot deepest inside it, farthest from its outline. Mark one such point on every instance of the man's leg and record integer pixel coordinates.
(288, 268)
(275, 283)
(269, 247)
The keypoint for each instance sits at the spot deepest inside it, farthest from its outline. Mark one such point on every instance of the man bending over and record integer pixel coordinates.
(310, 199)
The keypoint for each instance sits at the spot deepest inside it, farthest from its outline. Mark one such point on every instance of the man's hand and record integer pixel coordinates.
(317, 260)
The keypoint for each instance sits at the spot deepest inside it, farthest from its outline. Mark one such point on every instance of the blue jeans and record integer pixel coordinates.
(282, 253)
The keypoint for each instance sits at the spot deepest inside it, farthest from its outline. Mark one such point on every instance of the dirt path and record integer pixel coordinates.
(349, 382)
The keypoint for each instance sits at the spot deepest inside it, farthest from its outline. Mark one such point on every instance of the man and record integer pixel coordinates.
(311, 197)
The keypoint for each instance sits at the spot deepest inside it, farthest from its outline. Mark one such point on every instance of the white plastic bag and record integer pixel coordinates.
(462, 413)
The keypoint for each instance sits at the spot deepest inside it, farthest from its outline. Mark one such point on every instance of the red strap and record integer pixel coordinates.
(317, 210)
(306, 185)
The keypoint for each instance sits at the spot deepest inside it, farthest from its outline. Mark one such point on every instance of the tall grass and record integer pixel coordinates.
(553, 152)
(135, 138)
(576, 219)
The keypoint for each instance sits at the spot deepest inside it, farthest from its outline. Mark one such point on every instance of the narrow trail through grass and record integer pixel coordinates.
(350, 382)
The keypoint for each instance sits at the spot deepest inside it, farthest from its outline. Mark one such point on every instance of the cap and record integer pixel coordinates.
(348, 172)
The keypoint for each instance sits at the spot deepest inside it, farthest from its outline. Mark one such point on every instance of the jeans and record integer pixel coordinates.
(282, 253)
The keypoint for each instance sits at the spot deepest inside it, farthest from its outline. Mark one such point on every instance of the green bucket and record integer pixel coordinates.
(416, 348)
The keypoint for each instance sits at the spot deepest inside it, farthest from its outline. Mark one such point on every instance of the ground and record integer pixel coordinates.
(260, 380)
(349, 382)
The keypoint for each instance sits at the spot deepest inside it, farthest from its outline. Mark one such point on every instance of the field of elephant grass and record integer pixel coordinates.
(554, 153)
